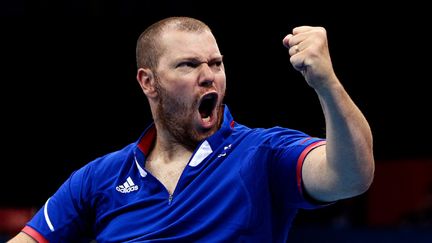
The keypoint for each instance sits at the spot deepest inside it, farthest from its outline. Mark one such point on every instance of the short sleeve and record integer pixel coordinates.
(65, 217)
(286, 177)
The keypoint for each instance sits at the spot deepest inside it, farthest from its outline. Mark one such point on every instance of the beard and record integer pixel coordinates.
(176, 117)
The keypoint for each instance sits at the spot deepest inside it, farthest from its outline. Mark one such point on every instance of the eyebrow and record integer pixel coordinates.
(197, 59)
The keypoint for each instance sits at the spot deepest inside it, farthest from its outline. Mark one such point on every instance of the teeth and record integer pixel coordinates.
(207, 119)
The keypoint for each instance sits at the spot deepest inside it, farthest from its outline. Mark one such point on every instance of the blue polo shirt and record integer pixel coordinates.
(240, 185)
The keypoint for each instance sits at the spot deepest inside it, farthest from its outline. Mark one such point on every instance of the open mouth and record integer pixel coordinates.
(207, 105)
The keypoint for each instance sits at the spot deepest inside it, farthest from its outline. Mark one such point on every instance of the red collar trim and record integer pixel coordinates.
(147, 140)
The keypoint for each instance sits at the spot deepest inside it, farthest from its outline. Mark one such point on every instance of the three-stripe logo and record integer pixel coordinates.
(127, 187)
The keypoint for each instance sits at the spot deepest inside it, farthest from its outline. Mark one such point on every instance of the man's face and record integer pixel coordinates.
(191, 85)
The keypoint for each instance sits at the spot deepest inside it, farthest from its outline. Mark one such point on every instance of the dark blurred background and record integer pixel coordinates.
(69, 94)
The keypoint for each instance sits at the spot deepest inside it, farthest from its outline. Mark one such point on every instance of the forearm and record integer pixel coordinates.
(349, 155)
(22, 238)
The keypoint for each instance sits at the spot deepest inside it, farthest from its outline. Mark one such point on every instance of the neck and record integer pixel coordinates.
(167, 149)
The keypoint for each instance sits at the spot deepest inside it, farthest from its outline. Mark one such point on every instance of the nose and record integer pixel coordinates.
(207, 75)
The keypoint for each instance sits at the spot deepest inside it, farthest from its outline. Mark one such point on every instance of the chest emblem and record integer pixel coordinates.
(127, 187)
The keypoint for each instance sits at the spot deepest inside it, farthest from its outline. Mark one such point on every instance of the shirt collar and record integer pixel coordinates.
(147, 139)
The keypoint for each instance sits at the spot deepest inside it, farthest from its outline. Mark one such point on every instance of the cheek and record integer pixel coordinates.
(183, 95)
(180, 89)
(221, 84)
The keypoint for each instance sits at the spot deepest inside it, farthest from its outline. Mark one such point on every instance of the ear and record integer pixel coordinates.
(146, 80)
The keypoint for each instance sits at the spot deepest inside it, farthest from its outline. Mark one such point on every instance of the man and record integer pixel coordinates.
(196, 174)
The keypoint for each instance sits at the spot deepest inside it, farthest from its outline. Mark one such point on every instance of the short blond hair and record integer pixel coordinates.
(149, 49)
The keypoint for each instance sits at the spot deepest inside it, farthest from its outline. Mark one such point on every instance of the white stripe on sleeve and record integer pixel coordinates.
(47, 219)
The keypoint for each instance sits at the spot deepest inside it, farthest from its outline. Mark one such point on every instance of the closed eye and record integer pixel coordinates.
(188, 64)
(216, 63)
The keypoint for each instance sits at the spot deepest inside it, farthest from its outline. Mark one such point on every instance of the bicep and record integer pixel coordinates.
(22, 238)
(316, 177)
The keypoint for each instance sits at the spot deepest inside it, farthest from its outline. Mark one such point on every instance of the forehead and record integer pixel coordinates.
(179, 44)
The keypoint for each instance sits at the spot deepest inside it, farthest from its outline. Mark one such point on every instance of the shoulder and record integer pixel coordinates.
(112, 160)
(105, 168)
(270, 135)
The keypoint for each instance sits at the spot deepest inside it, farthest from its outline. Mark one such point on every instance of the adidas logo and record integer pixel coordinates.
(127, 187)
